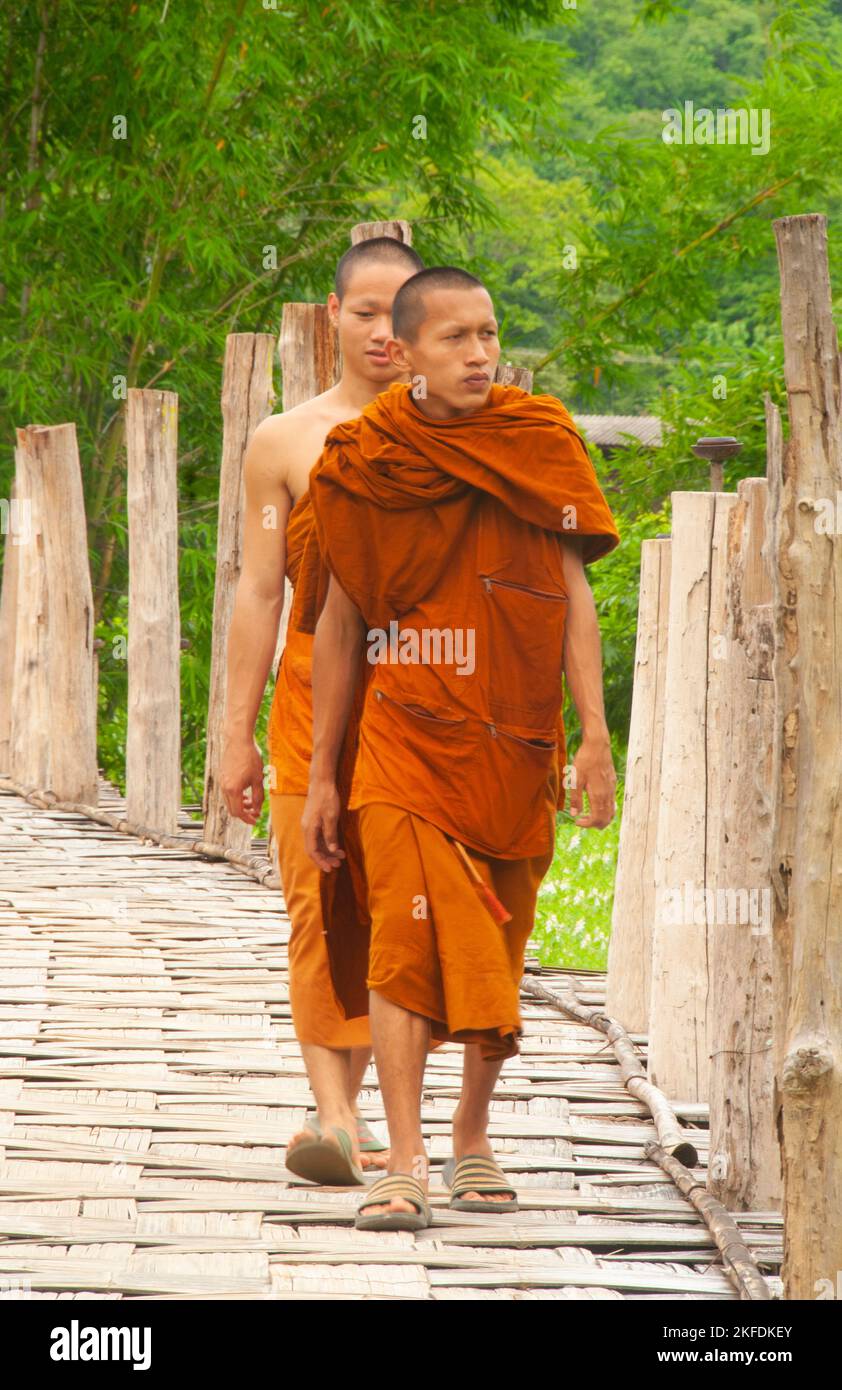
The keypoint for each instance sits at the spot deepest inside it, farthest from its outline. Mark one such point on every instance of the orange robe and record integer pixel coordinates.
(318, 1016)
(443, 532)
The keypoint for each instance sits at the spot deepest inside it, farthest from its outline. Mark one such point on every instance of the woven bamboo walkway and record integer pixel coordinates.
(150, 1079)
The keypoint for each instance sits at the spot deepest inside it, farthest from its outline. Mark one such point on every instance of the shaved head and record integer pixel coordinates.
(408, 311)
(375, 251)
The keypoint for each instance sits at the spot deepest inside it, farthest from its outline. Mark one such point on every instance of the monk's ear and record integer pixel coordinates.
(394, 347)
(333, 306)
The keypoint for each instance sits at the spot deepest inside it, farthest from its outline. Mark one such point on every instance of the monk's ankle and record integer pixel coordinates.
(470, 1138)
(410, 1160)
(338, 1117)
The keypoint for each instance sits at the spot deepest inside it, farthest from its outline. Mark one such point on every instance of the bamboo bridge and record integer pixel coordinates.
(150, 1080)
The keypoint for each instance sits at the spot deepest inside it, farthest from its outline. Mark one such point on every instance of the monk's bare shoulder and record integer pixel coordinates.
(285, 446)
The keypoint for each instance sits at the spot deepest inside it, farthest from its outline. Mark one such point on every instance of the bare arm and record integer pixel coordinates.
(593, 765)
(258, 604)
(337, 652)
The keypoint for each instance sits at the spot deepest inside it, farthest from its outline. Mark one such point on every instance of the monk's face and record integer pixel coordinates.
(364, 320)
(455, 353)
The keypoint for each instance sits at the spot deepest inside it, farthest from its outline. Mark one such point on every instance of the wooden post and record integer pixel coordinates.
(689, 814)
(29, 736)
(630, 945)
(309, 353)
(805, 555)
(507, 375)
(745, 1170)
(247, 398)
(367, 231)
(53, 727)
(153, 737)
(14, 538)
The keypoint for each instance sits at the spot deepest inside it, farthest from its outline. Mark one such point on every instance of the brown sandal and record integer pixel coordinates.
(477, 1173)
(383, 1190)
(319, 1161)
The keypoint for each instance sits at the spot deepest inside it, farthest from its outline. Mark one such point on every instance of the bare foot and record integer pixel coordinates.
(299, 1137)
(378, 1159)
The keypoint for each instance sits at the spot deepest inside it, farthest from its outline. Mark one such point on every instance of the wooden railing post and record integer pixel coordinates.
(744, 1171)
(804, 551)
(53, 713)
(630, 944)
(14, 537)
(247, 398)
(153, 736)
(29, 752)
(690, 803)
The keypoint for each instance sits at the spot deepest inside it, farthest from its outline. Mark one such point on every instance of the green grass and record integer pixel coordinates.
(573, 915)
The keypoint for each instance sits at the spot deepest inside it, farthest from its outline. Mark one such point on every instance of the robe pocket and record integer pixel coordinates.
(297, 658)
(525, 624)
(522, 776)
(447, 747)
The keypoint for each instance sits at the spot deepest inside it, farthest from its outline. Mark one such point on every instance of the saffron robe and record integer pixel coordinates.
(318, 1015)
(446, 524)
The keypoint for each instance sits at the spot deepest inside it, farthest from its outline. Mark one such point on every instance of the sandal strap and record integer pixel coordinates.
(395, 1185)
(369, 1142)
(479, 1173)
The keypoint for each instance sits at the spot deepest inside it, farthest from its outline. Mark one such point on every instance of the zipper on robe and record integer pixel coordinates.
(489, 581)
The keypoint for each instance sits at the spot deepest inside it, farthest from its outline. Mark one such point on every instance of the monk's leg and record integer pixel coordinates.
(516, 883)
(401, 1040)
(336, 1050)
(335, 1076)
(470, 1118)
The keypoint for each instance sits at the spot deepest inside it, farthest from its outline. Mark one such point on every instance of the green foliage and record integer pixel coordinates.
(255, 137)
(573, 914)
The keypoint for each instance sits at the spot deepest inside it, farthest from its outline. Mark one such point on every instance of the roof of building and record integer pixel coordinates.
(608, 430)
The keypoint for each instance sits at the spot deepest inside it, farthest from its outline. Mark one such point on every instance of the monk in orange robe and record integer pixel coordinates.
(455, 517)
(335, 1144)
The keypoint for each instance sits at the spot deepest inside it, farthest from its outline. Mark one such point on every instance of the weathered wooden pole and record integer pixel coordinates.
(367, 231)
(53, 714)
(29, 736)
(247, 398)
(690, 800)
(630, 945)
(804, 552)
(508, 375)
(153, 736)
(13, 539)
(745, 1170)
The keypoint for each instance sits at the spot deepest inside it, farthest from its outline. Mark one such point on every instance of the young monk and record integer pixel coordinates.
(455, 527)
(335, 1145)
